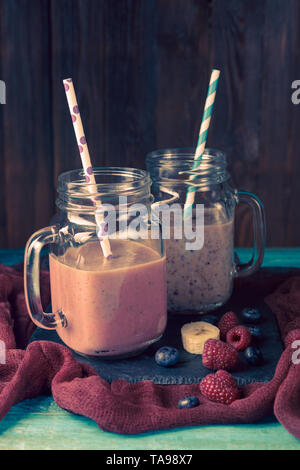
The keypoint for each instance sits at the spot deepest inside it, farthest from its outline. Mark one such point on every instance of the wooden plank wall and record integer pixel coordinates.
(141, 69)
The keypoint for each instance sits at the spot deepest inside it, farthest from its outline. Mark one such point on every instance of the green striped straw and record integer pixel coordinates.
(208, 109)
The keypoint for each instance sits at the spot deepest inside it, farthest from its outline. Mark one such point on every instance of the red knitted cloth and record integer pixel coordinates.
(46, 367)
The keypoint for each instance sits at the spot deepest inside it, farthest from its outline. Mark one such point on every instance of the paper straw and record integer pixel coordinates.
(208, 109)
(86, 163)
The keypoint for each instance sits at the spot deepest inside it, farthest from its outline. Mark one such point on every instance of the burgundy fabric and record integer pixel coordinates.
(45, 367)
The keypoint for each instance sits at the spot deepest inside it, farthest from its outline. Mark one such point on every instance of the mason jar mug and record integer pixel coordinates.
(201, 280)
(108, 307)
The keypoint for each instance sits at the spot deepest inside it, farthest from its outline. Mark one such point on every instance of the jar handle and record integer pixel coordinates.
(259, 234)
(33, 248)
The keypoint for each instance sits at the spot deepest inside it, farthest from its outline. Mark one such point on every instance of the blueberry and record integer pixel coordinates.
(212, 319)
(188, 402)
(255, 331)
(253, 355)
(251, 315)
(166, 356)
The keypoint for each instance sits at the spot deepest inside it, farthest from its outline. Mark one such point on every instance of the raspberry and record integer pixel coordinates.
(220, 388)
(219, 355)
(226, 377)
(292, 336)
(227, 321)
(239, 337)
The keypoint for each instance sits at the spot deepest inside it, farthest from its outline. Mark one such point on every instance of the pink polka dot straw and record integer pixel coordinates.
(86, 162)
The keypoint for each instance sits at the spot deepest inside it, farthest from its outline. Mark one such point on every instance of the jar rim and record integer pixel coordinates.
(126, 179)
(177, 166)
(75, 194)
(186, 153)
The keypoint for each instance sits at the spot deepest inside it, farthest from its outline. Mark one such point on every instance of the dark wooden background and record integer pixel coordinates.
(141, 69)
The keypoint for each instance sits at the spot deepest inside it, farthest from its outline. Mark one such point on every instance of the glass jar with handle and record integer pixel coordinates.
(201, 280)
(100, 307)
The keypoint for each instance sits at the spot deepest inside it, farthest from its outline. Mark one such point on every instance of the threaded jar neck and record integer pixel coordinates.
(74, 194)
(177, 166)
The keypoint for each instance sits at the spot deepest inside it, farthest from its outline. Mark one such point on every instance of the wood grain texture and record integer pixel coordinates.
(292, 163)
(256, 49)
(276, 112)
(130, 81)
(26, 131)
(77, 51)
(141, 69)
(183, 70)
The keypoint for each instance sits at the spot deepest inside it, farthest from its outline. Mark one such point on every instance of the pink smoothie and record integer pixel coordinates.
(201, 280)
(112, 306)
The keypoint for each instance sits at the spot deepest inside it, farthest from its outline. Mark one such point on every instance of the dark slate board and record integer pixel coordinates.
(190, 369)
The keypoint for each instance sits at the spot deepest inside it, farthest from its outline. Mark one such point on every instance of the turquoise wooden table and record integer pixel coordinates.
(40, 424)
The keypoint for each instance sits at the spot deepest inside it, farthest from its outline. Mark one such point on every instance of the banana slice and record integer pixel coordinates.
(196, 333)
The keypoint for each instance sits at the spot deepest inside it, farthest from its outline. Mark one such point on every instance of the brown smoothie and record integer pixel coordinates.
(201, 280)
(112, 306)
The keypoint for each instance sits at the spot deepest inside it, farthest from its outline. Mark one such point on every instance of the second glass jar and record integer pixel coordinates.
(202, 280)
